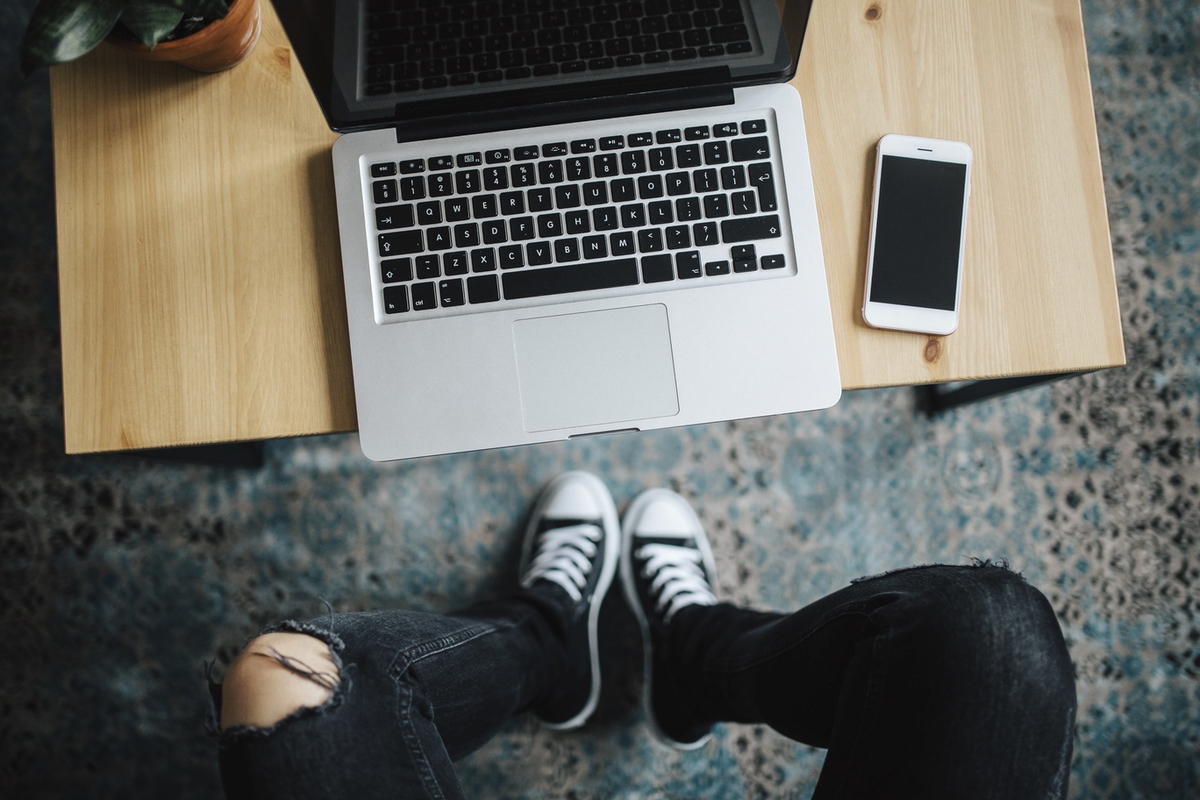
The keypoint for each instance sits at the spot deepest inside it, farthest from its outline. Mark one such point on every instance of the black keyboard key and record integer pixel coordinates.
(687, 209)
(661, 160)
(521, 229)
(523, 175)
(574, 66)
(606, 165)
(669, 137)
(688, 155)
(751, 228)
(526, 153)
(743, 203)
(711, 50)
(633, 216)
(389, 217)
(755, 149)
(595, 193)
(424, 296)
(657, 269)
(755, 126)
(398, 244)
(566, 196)
(716, 153)
(539, 200)
(383, 170)
(467, 181)
(483, 289)
(604, 219)
(498, 156)
(577, 222)
(555, 149)
(455, 263)
(729, 33)
(440, 185)
(566, 250)
(466, 235)
(692, 134)
(716, 205)
(641, 139)
(745, 265)
(738, 47)
(684, 54)
(595, 247)
(622, 190)
(484, 206)
(705, 180)
(742, 251)
(550, 172)
(762, 179)
(384, 192)
(678, 183)
(495, 178)
(579, 169)
(512, 257)
(633, 161)
(612, 142)
(687, 265)
(678, 237)
(549, 226)
(650, 240)
(733, 177)
(629, 60)
(660, 213)
(493, 231)
(428, 267)
(457, 209)
(622, 243)
(412, 188)
(570, 278)
(396, 270)
(483, 260)
(583, 146)
(512, 203)
(772, 262)
(441, 162)
(429, 213)
(395, 299)
(657, 57)
(600, 63)
(726, 129)
(716, 268)
(537, 254)
(438, 238)
(650, 186)
(705, 234)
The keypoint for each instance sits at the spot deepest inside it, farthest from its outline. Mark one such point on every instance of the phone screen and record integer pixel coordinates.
(918, 229)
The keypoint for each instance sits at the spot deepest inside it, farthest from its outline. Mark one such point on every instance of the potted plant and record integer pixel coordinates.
(205, 35)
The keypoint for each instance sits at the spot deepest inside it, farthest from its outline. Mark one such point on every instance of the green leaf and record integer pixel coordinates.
(62, 30)
(150, 21)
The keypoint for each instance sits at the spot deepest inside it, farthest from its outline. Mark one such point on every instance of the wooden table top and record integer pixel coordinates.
(199, 271)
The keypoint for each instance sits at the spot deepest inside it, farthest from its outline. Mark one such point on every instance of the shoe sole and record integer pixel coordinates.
(632, 515)
(612, 546)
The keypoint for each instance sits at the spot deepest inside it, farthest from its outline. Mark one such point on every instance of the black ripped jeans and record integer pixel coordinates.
(930, 682)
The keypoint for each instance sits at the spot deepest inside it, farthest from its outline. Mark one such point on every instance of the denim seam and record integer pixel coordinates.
(876, 673)
(852, 609)
(413, 741)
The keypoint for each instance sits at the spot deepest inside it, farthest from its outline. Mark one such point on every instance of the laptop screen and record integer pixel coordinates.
(428, 66)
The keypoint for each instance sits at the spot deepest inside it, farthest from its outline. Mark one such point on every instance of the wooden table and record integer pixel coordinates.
(199, 272)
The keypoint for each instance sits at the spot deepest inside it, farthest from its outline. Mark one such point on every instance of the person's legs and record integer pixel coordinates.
(378, 704)
(934, 681)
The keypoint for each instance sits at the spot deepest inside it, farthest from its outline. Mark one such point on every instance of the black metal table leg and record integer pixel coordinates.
(935, 398)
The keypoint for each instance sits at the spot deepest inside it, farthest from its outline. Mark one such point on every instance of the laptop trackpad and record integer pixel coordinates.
(595, 368)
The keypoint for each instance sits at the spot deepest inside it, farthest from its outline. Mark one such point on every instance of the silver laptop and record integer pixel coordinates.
(565, 218)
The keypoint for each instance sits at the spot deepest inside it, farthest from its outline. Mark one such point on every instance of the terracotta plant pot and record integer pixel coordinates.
(214, 47)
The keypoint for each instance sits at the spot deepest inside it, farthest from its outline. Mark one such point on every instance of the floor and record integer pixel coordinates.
(119, 577)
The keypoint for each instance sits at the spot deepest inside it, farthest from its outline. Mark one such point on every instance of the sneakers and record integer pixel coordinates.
(572, 541)
(666, 565)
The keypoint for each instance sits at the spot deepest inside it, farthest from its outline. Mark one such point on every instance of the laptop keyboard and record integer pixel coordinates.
(620, 213)
(433, 44)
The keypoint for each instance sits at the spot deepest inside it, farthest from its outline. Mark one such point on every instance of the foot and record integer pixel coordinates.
(572, 543)
(666, 565)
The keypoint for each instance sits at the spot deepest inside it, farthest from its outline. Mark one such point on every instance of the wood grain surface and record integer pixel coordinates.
(199, 270)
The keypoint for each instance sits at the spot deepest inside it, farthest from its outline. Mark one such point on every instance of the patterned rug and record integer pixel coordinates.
(119, 577)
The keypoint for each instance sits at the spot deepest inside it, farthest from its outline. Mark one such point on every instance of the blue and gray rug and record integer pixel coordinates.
(119, 577)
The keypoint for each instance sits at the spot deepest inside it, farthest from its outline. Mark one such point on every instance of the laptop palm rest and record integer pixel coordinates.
(595, 368)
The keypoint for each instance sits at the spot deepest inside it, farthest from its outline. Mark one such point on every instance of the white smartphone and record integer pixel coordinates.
(918, 230)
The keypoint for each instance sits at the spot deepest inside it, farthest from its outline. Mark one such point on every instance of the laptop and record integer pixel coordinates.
(567, 218)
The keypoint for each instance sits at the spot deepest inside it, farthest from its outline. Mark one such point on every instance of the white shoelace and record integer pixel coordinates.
(676, 577)
(565, 557)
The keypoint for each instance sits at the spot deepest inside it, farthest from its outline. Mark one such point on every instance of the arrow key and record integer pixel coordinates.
(754, 149)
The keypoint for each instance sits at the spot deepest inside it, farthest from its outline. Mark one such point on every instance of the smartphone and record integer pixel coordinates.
(918, 230)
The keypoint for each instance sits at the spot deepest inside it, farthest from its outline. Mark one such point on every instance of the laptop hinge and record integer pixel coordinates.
(618, 99)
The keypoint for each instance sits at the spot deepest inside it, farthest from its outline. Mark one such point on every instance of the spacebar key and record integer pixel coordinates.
(573, 278)
(748, 229)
